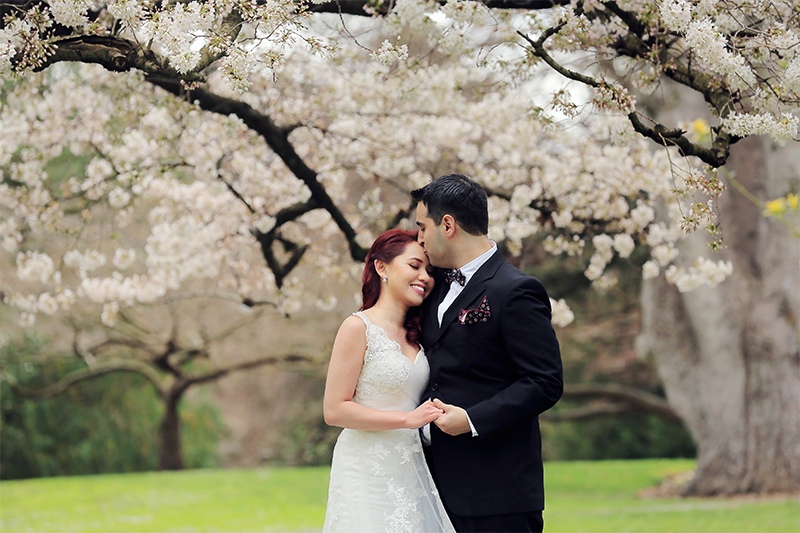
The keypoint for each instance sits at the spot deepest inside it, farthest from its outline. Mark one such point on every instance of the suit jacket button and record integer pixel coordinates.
(434, 387)
(435, 344)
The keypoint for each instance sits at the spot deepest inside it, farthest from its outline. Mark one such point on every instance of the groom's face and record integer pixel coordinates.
(430, 238)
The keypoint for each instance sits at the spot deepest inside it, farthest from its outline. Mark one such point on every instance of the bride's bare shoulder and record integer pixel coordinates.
(353, 326)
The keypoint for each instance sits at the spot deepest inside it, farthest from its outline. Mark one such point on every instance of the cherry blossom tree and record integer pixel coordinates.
(280, 116)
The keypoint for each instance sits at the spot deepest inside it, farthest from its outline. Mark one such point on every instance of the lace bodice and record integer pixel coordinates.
(389, 380)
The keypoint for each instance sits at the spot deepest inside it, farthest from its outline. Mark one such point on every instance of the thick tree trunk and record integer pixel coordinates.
(169, 432)
(729, 356)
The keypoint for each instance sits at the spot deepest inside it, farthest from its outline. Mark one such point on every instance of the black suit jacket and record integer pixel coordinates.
(504, 372)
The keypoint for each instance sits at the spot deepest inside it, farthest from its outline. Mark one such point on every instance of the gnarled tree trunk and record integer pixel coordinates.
(729, 356)
(169, 432)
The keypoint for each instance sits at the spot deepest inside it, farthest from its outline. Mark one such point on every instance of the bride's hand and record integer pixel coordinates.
(424, 414)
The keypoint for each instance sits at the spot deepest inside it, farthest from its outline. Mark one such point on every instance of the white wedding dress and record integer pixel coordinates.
(379, 479)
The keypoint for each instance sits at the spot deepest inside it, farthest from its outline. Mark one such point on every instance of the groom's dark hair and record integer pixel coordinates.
(458, 196)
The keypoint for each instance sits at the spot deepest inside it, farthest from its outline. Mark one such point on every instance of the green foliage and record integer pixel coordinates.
(201, 429)
(624, 437)
(582, 497)
(309, 440)
(598, 347)
(107, 424)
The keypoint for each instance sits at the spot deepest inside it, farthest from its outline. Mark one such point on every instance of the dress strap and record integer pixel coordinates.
(369, 334)
(363, 317)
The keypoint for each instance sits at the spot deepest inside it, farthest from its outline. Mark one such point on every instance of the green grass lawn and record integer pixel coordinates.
(581, 497)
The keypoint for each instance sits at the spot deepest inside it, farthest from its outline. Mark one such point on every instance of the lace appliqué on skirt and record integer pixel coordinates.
(389, 489)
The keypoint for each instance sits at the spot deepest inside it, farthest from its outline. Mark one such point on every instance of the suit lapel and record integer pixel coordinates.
(470, 294)
(430, 324)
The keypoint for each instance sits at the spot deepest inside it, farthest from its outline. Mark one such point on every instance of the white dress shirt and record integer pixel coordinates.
(467, 270)
(455, 289)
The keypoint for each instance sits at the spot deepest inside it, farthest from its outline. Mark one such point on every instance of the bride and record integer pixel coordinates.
(378, 370)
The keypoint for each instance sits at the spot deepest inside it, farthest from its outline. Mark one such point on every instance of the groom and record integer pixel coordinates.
(494, 361)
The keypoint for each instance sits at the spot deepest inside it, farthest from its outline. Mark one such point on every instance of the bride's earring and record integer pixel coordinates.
(384, 278)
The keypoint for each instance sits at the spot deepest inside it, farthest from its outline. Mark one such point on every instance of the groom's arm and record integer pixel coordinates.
(532, 347)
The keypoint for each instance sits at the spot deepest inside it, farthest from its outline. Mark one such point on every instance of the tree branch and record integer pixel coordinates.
(636, 400)
(295, 211)
(634, 47)
(162, 360)
(365, 8)
(130, 343)
(714, 91)
(230, 330)
(246, 301)
(266, 240)
(236, 193)
(541, 53)
(716, 156)
(277, 139)
(587, 413)
(231, 26)
(220, 372)
(84, 374)
(115, 54)
(547, 207)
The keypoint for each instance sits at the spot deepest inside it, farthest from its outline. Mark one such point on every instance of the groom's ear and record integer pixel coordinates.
(448, 225)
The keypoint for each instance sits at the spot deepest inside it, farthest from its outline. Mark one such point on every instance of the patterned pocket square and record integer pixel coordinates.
(471, 316)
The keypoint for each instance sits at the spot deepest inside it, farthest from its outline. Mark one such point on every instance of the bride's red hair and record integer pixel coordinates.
(386, 247)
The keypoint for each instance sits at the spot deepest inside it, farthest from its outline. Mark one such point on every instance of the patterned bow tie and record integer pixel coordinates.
(455, 275)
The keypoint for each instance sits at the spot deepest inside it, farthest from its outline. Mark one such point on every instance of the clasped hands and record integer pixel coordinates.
(450, 418)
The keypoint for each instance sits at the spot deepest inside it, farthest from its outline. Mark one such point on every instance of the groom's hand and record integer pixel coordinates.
(454, 420)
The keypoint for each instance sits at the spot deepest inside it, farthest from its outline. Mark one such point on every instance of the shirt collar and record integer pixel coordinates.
(470, 268)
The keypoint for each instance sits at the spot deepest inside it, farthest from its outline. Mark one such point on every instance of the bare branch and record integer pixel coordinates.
(716, 156)
(84, 374)
(547, 207)
(714, 91)
(162, 360)
(277, 139)
(361, 7)
(634, 46)
(231, 26)
(278, 270)
(587, 413)
(221, 296)
(637, 400)
(188, 355)
(234, 192)
(114, 54)
(401, 215)
(541, 53)
(220, 372)
(293, 212)
(113, 343)
(126, 318)
(230, 330)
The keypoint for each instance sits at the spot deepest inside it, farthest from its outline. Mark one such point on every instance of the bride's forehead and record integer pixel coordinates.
(414, 251)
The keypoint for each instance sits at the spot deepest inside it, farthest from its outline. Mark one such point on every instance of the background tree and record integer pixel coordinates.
(107, 424)
(596, 190)
(153, 347)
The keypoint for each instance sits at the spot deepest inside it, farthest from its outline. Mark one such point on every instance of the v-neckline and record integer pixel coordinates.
(397, 344)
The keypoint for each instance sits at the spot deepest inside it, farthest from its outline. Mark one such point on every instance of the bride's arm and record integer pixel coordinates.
(347, 358)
